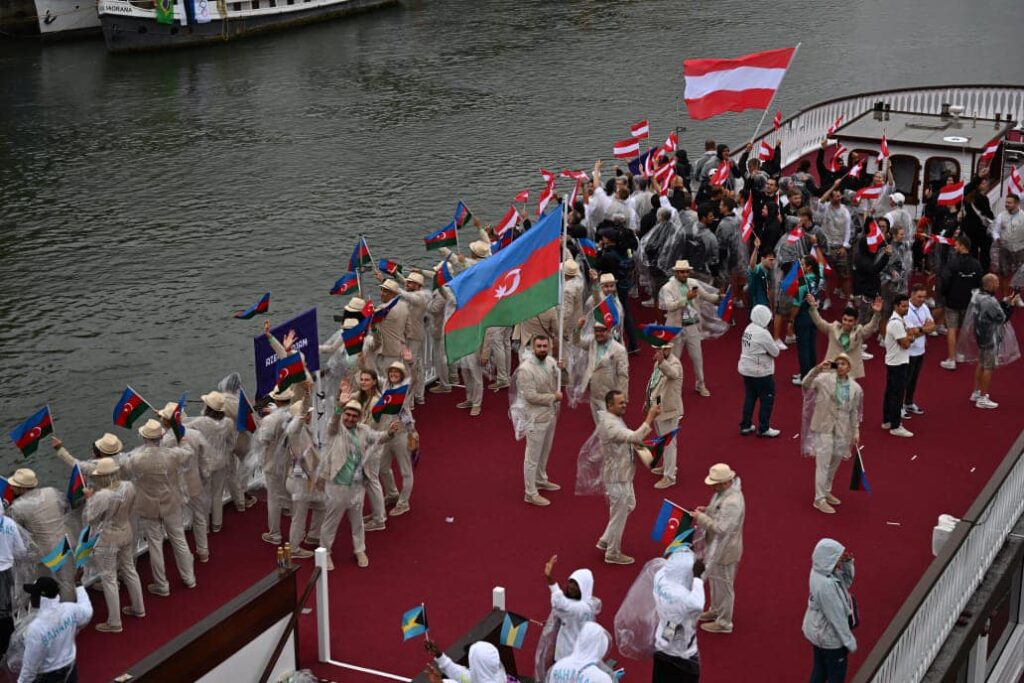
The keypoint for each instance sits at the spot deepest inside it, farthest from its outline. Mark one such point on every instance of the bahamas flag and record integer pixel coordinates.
(360, 255)
(462, 215)
(56, 558)
(129, 408)
(290, 370)
(76, 486)
(390, 402)
(414, 622)
(513, 630)
(261, 306)
(345, 284)
(29, 433)
(246, 420)
(445, 237)
(607, 312)
(679, 542)
(517, 283)
(85, 546)
(659, 335)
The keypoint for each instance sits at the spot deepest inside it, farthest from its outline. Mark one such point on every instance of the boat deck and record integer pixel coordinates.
(469, 529)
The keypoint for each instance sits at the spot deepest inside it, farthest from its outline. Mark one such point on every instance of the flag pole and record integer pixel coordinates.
(774, 92)
(561, 287)
(369, 253)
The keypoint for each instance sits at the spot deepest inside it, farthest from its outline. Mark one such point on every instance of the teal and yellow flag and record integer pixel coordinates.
(58, 556)
(414, 622)
(513, 630)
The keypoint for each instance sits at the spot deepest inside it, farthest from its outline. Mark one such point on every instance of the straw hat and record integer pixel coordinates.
(354, 405)
(214, 400)
(607, 278)
(108, 444)
(355, 305)
(415, 277)
(480, 249)
(391, 286)
(571, 268)
(682, 265)
(281, 396)
(719, 474)
(398, 365)
(167, 412)
(842, 356)
(151, 430)
(106, 466)
(24, 478)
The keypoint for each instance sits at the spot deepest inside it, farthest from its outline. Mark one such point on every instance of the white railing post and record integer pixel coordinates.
(323, 615)
(498, 598)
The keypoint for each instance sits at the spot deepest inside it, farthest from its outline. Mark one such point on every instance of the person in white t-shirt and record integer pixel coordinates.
(898, 338)
(918, 316)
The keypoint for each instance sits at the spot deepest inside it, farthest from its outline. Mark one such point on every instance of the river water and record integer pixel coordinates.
(146, 197)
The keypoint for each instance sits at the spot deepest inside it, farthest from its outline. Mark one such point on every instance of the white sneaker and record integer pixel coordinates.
(866, 356)
(781, 344)
(975, 395)
(795, 379)
(901, 431)
(791, 339)
(948, 364)
(986, 403)
(960, 358)
(647, 303)
(904, 414)
(826, 304)
(769, 433)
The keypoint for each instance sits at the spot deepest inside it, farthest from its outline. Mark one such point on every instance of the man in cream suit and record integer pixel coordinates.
(607, 365)
(537, 384)
(665, 388)
(679, 299)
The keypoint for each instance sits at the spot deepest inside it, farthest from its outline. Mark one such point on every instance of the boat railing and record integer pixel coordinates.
(804, 131)
(914, 637)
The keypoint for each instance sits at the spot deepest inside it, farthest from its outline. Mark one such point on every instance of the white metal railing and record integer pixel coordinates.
(914, 648)
(804, 131)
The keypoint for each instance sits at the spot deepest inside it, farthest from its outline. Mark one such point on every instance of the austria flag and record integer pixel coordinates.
(765, 151)
(747, 227)
(871, 193)
(836, 162)
(1014, 184)
(640, 131)
(883, 153)
(522, 197)
(626, 149)
(950, 195)
(671, 143)
(777, 121)
(989, 153)
(873, 237)
(721, 173)
(834, 126)
(857, 170)
(507, 222)
(715, 86)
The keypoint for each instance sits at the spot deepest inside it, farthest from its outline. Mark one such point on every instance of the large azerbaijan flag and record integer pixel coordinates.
(517, 283)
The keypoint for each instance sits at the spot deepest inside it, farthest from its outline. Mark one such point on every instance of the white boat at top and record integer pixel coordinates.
(49, 18)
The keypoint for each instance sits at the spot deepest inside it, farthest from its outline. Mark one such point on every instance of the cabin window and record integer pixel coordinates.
(906, 171)
(937, 169)
(237, 6)
(255, 4)
(273, 3)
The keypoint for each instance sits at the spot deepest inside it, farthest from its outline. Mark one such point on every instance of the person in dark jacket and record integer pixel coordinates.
(977, 217)
(961, 275)
(867, 276)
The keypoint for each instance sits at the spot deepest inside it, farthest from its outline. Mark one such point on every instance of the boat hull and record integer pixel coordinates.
(49, 19)
(127, 33)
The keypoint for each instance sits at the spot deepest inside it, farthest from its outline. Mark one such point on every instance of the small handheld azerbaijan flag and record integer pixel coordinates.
(679, 542)
(177, 424)
(443, 275)
(360, 255)
(29, 433)
(445, 237)
(791, 283)
(76, 486)
(289, 370)
(345, 284)
(388, 266)
(503, 241)
(129, 408)
(671, 518)
(513, 630)
(55, 559)
(390, 402)
(354, 337)
(659, 335)
(261, 306)
(378, 315)
(656, 444)
(414, 622)
(725, 305)
(462, 215)
(607, 312)
(589, 250)
(246, 421)
(6, 492)
(859, 476)
(85, 546)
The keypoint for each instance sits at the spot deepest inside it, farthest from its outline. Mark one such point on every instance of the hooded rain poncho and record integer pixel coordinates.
(637, 621)
(484, 666)
(829, 606)
(585, 664)
(679, 600)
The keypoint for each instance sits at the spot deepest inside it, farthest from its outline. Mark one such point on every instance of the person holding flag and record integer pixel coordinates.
(722, 520)
(40, 512)
(389, 334)
(302, 460)
(679, 299)
(808, 292)
(665, 389)
(50, 637)
(195, 473)
(834, 403)
(107, 446)
(271, 450)
(108, 513)
(399, 447)
(220, 434)
(417, 300)
(607, 364)
(483, 659)
(439, 359)
(618, 467)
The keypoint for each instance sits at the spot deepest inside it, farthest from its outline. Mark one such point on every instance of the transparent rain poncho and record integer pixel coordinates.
(636, 621)
(303, 461)
(576, 359)
(588, 468)
(811, 442)
(711, 326)
(545, 654)
(269, 447)
(43, 515)
(220, 436)
(986, 309)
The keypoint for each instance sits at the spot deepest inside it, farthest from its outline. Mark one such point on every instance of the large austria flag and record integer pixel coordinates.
(714, 86)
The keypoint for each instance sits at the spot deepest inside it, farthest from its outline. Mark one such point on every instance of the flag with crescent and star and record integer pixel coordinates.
(129, 408)
(519, 282)
(29, 433)
(290, 370)
(390, 402)
(672, 520)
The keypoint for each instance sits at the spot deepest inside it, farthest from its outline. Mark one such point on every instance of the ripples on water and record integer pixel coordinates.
(146, 197)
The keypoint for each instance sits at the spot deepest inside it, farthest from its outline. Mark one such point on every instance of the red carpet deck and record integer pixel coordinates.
(471, 474)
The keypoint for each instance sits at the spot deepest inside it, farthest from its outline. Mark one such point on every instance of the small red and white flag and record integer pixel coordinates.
(819, 256)
(522, 197)
(715, 86)
(857, 169)
(575, 193)
(626, 149)
(650, 164)
(721, 173)
(951, 194)
(777, 121)
(873, 237)
(937, 239)
(546, 196)
(747, 225)
(871, 193)
(765, 152)
(665, 175)
(834, 126)
(795, 235)
(640, 131)
(836, 162)
(548, 176)
(671, 143)
(1014, 183)
(572, 174)
(883, 153)
(507, 222)
(989, 153)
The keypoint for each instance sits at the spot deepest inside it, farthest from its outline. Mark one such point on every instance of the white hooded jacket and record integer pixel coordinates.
(573, 614)
(584, 664)
(484, 666)
(678, 600)
(758, 350)
(50, 638)
(829, 606)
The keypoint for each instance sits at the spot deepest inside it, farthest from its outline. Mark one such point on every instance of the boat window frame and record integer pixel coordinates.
(913, 195)
(939, 160)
